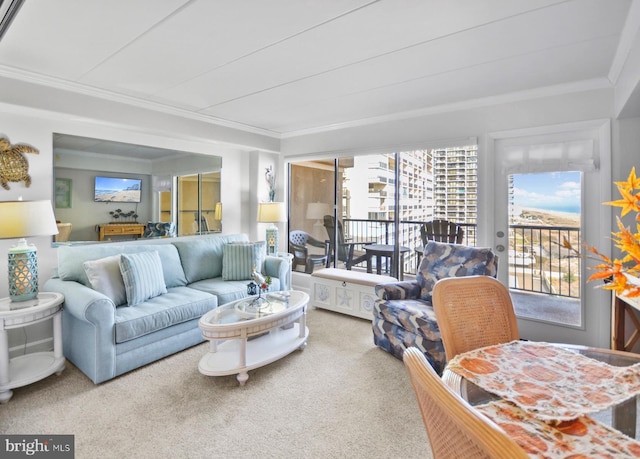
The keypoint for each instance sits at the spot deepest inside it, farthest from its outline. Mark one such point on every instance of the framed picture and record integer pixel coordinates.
(63, 193)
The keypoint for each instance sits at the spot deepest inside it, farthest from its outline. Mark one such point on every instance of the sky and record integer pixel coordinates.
(549, 191)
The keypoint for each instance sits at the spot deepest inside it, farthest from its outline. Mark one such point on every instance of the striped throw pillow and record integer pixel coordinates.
(142, 276)
(239, 259)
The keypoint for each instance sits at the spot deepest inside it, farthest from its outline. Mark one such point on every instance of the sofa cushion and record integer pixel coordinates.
(241, 259)
(105, 277)
(179, 304)
(142, 276)
(443, 259)
(70, 259)
(202, 258)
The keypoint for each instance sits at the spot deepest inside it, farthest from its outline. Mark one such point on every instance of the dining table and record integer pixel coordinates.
(554, 382)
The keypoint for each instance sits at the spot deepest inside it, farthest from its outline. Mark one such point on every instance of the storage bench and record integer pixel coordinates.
(348, 292)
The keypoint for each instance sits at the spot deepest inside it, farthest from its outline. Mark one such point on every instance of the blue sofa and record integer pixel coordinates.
(403, 315)
(128, 304)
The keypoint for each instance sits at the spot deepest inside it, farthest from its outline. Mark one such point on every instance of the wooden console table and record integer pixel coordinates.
(624, 307)
(120, 229)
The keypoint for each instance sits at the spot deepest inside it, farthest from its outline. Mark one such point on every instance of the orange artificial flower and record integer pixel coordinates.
(616, 272)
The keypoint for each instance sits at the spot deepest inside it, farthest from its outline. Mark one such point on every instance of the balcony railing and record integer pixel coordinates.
(538, 261)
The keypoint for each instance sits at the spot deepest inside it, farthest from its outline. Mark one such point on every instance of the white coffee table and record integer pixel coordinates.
(243, 338)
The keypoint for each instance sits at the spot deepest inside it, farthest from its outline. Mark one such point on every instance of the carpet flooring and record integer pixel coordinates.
(341, 397)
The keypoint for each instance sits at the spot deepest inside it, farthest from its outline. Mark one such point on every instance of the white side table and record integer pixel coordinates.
(29, 368)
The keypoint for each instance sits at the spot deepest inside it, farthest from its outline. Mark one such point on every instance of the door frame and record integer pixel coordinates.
(596, 225)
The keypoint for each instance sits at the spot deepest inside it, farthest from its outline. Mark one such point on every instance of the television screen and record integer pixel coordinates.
(113, 189)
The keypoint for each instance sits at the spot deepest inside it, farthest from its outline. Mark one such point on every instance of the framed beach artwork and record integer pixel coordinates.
(63, 193)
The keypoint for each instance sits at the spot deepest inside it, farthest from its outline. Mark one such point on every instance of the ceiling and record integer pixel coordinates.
(70, 143)
(288, 67)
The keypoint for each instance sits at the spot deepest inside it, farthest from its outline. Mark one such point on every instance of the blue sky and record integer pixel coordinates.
(551, 191)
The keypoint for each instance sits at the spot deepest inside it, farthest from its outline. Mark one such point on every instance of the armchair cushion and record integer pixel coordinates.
(443, 259)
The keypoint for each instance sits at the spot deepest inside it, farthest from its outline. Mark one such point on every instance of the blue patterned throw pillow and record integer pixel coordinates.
(142, 276)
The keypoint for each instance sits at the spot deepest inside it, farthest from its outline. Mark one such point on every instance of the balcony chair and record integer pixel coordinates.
(299, 242)
(473, 312)
(440, 231)
(346, 250)
(455, 429)
(403, 314)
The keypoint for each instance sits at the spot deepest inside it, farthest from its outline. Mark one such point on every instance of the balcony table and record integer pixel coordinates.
(385, 250)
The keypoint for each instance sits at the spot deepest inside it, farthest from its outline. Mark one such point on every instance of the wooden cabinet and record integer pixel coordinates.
(120, 229)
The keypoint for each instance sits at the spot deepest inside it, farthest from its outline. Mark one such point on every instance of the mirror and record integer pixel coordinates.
(173, 186)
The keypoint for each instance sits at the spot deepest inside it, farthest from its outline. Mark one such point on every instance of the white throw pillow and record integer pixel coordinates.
(105, 277)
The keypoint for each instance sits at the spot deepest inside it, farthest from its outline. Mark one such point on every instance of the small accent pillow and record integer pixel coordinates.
(442, 259)
(142, 276)
(105, 277)
(240, 258)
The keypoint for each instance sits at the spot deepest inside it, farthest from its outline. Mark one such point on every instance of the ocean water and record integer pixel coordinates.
(571, 208)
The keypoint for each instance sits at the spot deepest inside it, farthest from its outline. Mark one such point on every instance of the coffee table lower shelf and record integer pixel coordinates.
(226, 358)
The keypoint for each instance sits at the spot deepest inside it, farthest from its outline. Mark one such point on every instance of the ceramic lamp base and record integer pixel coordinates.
(23, 273)
(272, 241)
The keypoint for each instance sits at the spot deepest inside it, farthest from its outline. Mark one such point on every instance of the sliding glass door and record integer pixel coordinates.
(384, 199)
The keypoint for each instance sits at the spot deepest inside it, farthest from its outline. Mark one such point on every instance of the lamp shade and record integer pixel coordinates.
(22, 219)
(26, 218)
(271, 212)
(217, 214)
(317, 210)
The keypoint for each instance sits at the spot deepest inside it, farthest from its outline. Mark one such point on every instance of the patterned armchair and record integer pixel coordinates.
(403, 315)
(160, 229)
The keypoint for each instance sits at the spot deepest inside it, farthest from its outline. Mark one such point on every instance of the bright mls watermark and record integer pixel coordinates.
(37, 446)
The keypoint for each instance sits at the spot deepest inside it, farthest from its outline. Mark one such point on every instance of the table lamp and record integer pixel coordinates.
(22, 219)
(272, 212)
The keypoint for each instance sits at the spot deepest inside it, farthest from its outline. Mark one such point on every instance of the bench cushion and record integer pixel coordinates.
(353, 277)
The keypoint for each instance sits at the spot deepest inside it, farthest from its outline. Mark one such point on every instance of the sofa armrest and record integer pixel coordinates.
(83, 303)
(407, 290)
(279, 268)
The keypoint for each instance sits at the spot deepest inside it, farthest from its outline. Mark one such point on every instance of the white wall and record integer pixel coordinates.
(36, 128)
(481, 122)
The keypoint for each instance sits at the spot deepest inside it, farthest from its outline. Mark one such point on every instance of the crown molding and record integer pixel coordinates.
(57, 83)
(547, 91)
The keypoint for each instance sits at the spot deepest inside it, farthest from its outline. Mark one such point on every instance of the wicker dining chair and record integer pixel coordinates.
(473, 312)
(455, 429)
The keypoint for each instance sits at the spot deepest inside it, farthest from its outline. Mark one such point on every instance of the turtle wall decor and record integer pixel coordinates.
(14, 167)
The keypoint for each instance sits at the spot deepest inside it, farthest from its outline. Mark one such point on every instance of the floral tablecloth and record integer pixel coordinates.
(552, 383)
(580, 438)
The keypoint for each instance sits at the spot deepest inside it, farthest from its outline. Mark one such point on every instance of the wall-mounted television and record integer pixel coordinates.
(114, 189)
